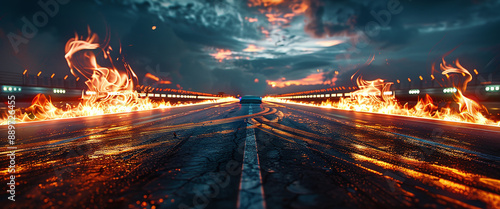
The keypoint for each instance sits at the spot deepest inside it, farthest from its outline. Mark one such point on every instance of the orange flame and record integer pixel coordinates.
(375, 96)
(112, 87)
(109, 90)
(165, 82)
(151, 76)
(469, 109)
(158, 80)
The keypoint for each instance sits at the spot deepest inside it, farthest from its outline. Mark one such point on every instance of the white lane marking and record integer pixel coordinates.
(251, 195)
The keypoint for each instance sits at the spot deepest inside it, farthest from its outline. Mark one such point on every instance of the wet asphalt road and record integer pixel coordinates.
(192, 157)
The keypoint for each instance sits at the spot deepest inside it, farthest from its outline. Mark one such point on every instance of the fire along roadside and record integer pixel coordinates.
(11, 185)
(40, 19)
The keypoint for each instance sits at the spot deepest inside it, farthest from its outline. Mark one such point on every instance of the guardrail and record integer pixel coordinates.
(26, 93)
(489, 92)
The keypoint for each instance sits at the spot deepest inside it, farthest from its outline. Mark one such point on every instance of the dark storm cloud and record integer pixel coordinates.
(449, 11)
(350, 18)
(405, 44)
(169, 56)
(309, 64)
(238, 82)
(296, 67)
(338, 20)
(334, 18)
(160, 51)
(209, 23)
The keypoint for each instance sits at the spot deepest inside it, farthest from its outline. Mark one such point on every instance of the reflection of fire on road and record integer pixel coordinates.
(112, 87)
(440, 176)
(372, 97)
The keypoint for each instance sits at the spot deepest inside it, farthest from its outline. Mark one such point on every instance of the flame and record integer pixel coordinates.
(372, 97)
(155, 78)
(151, 76)
(102, 80)
(165, 82)
(109, 89)
(469, 109)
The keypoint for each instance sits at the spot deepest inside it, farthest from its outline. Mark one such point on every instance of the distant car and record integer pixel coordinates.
(250, 100)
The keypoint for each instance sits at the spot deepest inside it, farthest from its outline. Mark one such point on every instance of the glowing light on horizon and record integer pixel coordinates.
(312, 79)
(328, 43)
(253, 48)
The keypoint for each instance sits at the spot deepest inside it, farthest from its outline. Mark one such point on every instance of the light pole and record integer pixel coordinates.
(52, 79)
(25, 75)
(76, 81)
(475, 77)
(38, 78)
(65, 83)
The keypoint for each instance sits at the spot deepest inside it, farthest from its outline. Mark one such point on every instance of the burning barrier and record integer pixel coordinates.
(371, 98)
(112, 87)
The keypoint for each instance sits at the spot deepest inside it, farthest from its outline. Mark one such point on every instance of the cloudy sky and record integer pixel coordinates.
(258, 46)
